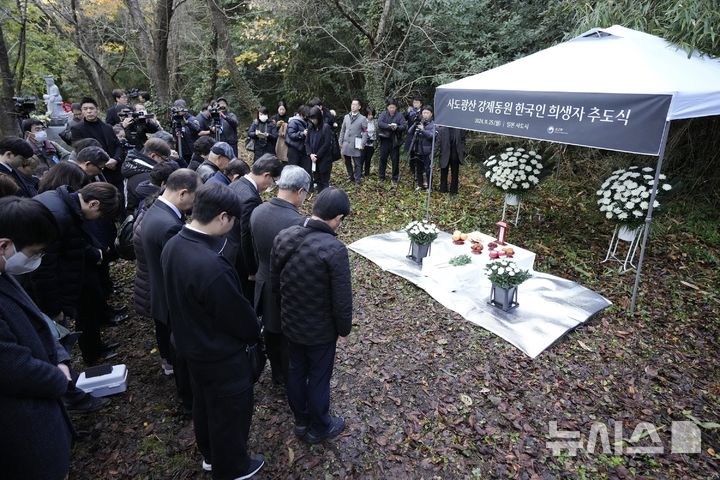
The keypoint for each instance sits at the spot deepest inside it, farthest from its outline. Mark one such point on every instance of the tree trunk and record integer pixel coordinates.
(245, 94)
(100, 82)
(160, 73)
(8, 120)
(21, 60)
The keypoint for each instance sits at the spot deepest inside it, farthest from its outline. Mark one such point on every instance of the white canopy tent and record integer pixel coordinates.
(613, 88)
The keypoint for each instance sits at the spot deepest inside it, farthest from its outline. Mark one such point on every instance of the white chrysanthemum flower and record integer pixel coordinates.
(656, 204)
(645, 194)
(630, 205)
(637, 213)
(622, 216)
(644, 205)
(662, 177)
(647, 169)
(609, 215)
(667, 187)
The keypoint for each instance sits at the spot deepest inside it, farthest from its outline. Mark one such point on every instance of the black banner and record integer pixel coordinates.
(622, 122)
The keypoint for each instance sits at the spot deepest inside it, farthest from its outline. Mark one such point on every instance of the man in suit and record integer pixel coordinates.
(214, 327)
(13, 153)
(33, 377)
(161, 222)
(265, 223)
(240, 249)
(452, 155)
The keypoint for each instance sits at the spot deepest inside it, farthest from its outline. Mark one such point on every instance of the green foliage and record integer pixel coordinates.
(45, 54)
(691, 24)
(460, 260)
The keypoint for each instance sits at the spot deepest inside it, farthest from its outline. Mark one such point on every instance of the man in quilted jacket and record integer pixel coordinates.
(311, 271)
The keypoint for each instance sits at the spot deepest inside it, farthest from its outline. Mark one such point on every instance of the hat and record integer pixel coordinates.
(224, 149)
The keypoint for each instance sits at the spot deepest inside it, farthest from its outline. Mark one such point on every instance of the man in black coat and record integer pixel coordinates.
(452, 155)
(161, 222)
(240, 250)
(213, 326)
(13, 153)
(265, 223)
(36, 431)
(137, 167)
(93, 127)
(311, 271)
(121, 102)
(61, 284)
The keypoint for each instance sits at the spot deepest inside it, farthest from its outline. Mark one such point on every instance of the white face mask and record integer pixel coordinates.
(263, 118)
(40, 136)
(19, 263)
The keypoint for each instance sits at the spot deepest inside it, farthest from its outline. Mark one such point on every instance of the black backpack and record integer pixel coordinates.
(124, 240)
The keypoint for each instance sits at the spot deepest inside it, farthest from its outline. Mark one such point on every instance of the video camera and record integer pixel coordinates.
(25, 105)
(215, 110)
(138, 117)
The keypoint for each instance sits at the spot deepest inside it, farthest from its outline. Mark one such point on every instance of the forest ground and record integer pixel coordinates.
(427, 394)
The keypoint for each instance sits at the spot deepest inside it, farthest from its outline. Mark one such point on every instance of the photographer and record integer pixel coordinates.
(220, 116)
(138, 124)
(214, 121)
(413, 116)
(422, 134)
(121, 102)
(184, 128)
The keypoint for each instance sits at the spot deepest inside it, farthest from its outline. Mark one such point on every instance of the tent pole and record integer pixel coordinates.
(432, 161)
(648, 218)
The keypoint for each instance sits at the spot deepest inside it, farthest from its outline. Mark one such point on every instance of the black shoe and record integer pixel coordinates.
(116, 319)
(117, 310)
(88, 404)
(337, 425)
(109, 347)
(300, 430)
(256, 463)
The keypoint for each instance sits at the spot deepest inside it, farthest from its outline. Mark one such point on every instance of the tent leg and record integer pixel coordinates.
(432, 162)
(648, 218)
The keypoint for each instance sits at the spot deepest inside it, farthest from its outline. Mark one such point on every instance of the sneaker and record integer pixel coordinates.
(88, 404)
(300, 431)
(206, 466)
(337, 425)
(167, 367)
(256, 463)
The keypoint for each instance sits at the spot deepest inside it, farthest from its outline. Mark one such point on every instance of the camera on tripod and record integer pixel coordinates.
(25, 105)
(138, 117)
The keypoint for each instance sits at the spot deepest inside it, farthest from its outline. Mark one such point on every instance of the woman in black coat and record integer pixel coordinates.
(36, 431)
(295, 139)
(318, 145)
(264, 134)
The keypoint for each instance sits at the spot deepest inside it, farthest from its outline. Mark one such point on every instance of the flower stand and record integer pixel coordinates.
(417, 252)
(513, 201)
(627, 235)
(504, 298)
